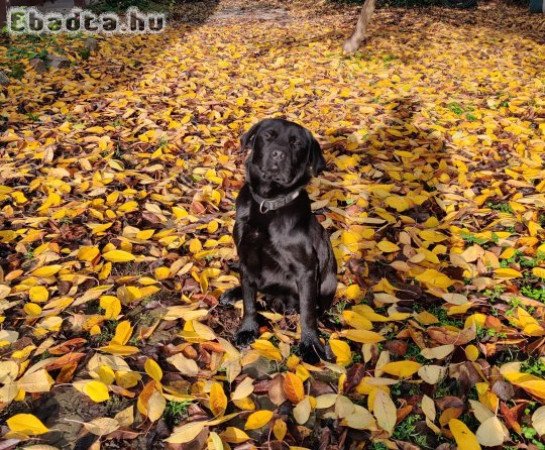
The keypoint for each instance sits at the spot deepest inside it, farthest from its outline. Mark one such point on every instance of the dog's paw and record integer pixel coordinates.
(312, 350)
(245, 338)
(247, 334)
(229, 297)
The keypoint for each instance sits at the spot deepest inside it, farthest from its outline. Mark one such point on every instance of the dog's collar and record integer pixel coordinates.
(271, 204)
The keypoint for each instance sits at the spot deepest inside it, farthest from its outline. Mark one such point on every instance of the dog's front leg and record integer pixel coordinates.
(311, 348)
(249, 328)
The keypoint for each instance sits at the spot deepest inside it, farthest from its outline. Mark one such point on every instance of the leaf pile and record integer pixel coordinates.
(117, 189)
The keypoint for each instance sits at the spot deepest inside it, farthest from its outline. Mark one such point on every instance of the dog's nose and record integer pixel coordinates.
(278, 155)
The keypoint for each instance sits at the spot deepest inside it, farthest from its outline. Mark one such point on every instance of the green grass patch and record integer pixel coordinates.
(502, 207)
(407, 431)
(533, 366)
(175, 412)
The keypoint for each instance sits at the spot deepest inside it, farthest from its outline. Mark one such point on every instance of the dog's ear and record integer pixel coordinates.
(317, 161)
(247, 139)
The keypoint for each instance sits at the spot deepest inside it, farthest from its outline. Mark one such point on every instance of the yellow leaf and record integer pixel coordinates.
(258, 419)
(47, 271)
(492, 432)
(401, 369)
(245, 404)
(195, 246)
(534, 228)
(302, 410)
(267, 349)
(88, 253)
(94, 389)
(341, 350)
(26, 424)
(508, 253)
(280, 429)
(353, 292)
(440, 352)
(350, 239)
(179, 213)
(505, 272)
(244, 389)
(32, 309)
(360, 419)
(186, 433)
(472, 253)
(162, 273)
(186, 366)
(293, 387)
(385, 411)
(153, 369)
(455, 299)
(463, 436)
(145, 234)
(326, 401)
(212, 226)
(123, 333)
(101, 426)
(356, 320)
(34, 382)
(363, 336)
(214, 441)
(99, 228)
(218, 399)
(156, 406)
(111, 305)
(95, 130)
(117, 256)
(126, 379)
(530, 383)
(472, 352)
(459, 309)
(65, 127)
(398, 203)
(117, 349)
(4, 291)
(433, 278)
(387, 247)
(432, 236)
(539, 272)
(234, 435)
(105, 374)
(426, 318)
(538, 420)
(38, 294)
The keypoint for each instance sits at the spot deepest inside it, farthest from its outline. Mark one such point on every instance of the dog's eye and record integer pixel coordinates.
(295, 141)
(268, 135)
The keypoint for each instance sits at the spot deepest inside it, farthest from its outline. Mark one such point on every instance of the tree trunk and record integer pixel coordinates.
(352, 44)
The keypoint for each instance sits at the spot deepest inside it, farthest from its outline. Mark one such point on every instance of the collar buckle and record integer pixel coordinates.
(263, 208)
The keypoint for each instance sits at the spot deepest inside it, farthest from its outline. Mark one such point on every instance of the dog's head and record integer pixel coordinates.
(284, 156)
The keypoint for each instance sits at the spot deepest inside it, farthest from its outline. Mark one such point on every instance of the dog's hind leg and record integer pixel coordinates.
(229, 297)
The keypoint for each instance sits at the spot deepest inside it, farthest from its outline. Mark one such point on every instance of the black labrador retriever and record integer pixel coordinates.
(284, 252)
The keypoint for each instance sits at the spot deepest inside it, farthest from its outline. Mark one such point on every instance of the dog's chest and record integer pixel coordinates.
(259, 250)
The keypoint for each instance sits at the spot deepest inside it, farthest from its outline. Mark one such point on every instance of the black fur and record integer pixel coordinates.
(285, 253)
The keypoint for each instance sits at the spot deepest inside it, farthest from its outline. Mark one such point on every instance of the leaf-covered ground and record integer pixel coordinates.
(117, 188)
